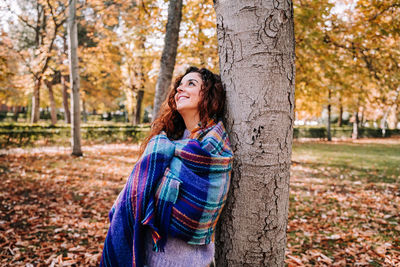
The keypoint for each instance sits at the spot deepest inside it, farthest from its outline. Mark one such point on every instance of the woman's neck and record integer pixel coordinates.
(191, 121)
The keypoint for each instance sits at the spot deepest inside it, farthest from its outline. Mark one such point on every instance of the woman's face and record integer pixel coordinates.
(187, 95)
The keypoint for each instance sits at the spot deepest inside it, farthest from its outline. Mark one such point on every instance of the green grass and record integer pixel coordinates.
(344, 202)
(366, 162)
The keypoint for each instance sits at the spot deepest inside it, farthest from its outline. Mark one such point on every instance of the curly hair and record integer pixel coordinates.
(211, 106)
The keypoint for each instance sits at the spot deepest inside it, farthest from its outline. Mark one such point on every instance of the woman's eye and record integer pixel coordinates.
(191, 83)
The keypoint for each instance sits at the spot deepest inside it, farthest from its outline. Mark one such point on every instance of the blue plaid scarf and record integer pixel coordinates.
(176, 188)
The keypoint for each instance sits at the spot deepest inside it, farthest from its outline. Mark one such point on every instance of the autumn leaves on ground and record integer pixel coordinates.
(344, 203)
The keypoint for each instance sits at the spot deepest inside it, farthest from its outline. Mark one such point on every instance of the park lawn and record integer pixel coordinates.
(366, 162)
(344, 204)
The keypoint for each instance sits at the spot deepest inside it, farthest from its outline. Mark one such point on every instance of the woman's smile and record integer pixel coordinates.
(187, 96)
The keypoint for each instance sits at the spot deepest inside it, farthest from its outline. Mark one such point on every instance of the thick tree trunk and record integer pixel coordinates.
(53, 111)
(35, 112)
(256, 51)
(169, 54)
(67, 114)
(74, 80)
(139, 100)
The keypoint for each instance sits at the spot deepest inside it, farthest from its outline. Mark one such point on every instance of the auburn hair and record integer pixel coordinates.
(211, 106)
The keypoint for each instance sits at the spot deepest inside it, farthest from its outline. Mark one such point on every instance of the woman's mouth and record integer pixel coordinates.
(184, 97)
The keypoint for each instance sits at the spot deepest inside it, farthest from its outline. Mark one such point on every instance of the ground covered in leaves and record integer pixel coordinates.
(54, 207)
(344, 203)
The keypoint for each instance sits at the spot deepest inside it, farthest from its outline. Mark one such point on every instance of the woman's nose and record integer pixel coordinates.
(179, 89)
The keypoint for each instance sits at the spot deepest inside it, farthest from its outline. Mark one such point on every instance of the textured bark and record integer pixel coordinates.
(169, 54)
(67, 114)
(74, 80)
(256, 51)
(35, 113)
(53, 111)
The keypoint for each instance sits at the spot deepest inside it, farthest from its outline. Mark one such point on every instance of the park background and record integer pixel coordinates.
(344, 199)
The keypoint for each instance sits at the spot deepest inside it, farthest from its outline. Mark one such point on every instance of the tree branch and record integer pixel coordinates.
(383, 11)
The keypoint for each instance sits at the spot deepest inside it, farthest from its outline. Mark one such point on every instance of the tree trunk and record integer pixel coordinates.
(168, 56)
(329, 123)
(328, 128)
(383, 124)
(74, 80)
(35, 113)
(361, 118)
(393, 120)
(340, 119)
(67, 114)
(53, 111)
(16, 111)
(392, 114)
(84, 112)
(256, 51)
(139, 100)
(355, 134)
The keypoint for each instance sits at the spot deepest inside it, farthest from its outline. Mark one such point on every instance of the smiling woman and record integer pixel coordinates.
(204, 100)
(178, 187)
(187, 99)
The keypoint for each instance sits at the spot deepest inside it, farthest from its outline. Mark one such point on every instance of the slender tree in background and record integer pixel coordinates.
(256, 51)
(328, 126)
(64, 79)
(41, 22)
(168, 56)
(74, 80)
(53, 111)
(139, 100)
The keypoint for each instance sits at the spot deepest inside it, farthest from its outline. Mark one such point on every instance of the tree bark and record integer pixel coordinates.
(16, 111)
(74, 80)
(168, 56)
(329, 116)
(355, 134)
(53, 111)
(35, 113)
(329, 133)
(393, 120)
(139, 100)
(256, 51)
(392, 112)
(340, 119)
(67, 114)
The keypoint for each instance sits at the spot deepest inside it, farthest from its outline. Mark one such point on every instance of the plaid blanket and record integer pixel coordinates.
(176, 188)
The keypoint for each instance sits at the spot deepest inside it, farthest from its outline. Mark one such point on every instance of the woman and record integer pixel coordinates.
(178, 187)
